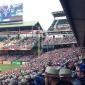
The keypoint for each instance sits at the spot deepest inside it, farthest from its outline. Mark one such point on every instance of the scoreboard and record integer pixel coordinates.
(11, 13)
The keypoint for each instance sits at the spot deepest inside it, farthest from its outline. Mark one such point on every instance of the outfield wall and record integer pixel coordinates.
(15, 62)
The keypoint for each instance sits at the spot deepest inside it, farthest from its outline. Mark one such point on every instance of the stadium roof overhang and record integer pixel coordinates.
(58, 14)
(21, 26)
(75, 13)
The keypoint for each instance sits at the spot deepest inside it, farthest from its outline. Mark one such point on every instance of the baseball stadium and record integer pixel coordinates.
(29, 55)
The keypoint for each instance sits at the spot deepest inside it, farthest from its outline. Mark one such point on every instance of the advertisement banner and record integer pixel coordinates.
(1, 62)
(6, 62)
(17, 62)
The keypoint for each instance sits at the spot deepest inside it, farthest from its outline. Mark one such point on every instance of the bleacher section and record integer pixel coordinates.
(17, 44)
(63, 39)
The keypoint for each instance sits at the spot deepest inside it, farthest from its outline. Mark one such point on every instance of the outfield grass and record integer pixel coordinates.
(8, 67)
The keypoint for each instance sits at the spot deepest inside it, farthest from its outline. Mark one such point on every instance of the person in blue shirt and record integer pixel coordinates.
(80, 71)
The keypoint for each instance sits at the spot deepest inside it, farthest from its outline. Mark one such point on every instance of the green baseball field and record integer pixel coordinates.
(8, 67)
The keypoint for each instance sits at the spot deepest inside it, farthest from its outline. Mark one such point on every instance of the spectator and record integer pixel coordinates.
(51, 76)
(64, 82)
(80, 70)
(65, 74)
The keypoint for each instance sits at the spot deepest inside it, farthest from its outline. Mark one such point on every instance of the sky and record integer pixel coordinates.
(37, 10)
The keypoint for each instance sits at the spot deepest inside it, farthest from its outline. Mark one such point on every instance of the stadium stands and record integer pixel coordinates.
(63, 39)
(32, 69)
(58, 57)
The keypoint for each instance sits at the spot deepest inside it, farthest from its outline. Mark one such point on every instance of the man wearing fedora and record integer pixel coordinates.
(51, 75)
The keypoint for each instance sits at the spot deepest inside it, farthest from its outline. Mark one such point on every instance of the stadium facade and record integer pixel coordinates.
(59, 33)
(20, 38)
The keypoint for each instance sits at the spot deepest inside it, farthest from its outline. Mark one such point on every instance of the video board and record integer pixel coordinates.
(11, 13)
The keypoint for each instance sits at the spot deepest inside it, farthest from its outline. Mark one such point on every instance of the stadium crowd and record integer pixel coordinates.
(61, 40)
(58, 67)
(14, 43)
(64, 66)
